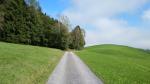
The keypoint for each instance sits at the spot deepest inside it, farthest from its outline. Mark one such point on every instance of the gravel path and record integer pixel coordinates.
(71, 70)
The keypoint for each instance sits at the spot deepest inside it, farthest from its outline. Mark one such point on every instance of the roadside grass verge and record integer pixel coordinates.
(116, 64)
(24, 64)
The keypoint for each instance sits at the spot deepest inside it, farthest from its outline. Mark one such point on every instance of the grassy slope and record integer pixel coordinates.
(118, 64)
(23, 64)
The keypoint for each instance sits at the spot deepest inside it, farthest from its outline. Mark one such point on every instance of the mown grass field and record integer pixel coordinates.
(23, 64)
(116, 64)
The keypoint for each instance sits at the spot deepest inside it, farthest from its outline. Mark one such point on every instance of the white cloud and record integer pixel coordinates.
(146, 15)
(101, 28)
(114, 32)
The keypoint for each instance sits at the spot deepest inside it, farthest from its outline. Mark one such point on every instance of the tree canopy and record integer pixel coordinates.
(22, 21)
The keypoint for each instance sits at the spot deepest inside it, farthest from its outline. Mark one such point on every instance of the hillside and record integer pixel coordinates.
(23, 64)
(116, 64)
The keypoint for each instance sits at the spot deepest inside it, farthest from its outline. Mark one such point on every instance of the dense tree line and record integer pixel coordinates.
(22, 21)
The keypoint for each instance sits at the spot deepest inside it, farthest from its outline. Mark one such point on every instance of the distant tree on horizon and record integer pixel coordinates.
(77, 38)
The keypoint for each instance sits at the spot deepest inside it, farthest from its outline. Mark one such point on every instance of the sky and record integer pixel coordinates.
(122, 22)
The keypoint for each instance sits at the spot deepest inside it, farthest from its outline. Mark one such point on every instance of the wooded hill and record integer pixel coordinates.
(22, 21)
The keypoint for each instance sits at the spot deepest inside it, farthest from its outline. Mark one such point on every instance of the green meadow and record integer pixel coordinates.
(24, 64)
(116, 64)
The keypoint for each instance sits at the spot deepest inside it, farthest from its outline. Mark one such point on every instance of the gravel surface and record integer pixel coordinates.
(71, 70)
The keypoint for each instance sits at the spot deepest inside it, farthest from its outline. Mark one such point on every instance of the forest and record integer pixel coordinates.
(23, 22)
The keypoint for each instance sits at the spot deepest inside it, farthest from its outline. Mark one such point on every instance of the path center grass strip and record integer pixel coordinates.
(116, 64)
(23, 64)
